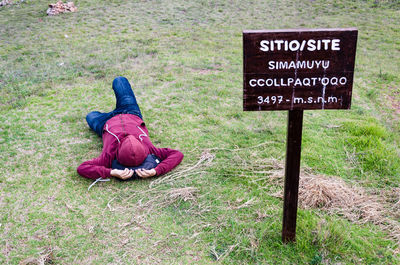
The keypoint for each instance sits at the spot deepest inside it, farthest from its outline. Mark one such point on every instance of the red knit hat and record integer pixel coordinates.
(131, 152)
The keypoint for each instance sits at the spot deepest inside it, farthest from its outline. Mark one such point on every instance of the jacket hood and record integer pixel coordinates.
(131, 152)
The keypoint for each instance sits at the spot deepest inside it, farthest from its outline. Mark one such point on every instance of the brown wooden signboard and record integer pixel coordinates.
(298, 69)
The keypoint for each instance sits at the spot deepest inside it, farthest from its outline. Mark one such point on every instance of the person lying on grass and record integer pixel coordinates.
(125, 141)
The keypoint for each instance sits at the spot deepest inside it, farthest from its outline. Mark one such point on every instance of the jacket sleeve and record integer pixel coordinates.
(99, 167)
(170, 158)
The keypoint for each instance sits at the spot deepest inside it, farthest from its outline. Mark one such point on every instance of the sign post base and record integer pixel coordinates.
(292, 172)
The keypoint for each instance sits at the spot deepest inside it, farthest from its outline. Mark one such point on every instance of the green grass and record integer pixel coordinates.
(184, 61)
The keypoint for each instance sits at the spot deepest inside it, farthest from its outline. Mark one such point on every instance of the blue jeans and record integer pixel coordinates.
(126, 103)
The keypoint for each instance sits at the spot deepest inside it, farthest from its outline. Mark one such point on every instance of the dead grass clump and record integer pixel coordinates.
(164, 198)
(184, 194)
(45, 258)
(157, 198)
(334, 195)
(337, 197)
(205, 160)
(239, 204)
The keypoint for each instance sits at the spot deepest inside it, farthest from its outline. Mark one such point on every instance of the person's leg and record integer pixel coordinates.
(96, 121)
(126, 100)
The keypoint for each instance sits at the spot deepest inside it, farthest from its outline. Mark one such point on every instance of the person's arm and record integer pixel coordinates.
(170, 158)
(96, 168)
(93, 169)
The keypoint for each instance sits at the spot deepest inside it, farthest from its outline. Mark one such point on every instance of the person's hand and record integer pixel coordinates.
(122, 174)
(145, 173)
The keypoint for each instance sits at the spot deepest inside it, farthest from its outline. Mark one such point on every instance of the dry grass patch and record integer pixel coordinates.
(205, 161)
(335, 196)
(45, 258)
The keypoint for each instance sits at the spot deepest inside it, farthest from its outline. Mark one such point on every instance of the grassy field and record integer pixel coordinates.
(184, 61)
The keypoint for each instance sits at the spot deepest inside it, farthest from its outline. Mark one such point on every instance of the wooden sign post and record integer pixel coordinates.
(296, 70)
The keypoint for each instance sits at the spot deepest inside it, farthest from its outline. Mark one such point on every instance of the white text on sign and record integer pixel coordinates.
(295, 45)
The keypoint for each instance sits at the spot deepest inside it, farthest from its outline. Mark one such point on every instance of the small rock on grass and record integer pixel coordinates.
(61, 7)
(5, 2)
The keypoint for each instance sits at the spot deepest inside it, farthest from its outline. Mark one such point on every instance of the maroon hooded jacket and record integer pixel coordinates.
(119, 126)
